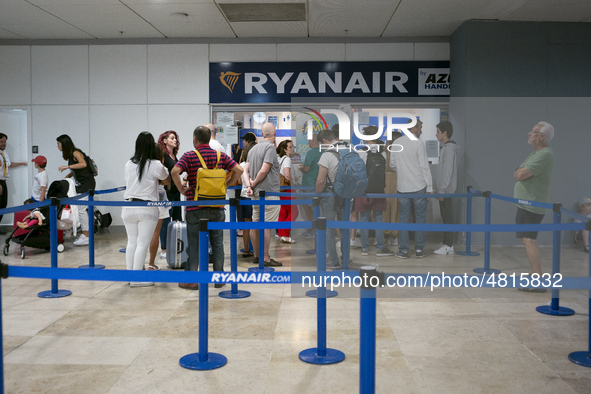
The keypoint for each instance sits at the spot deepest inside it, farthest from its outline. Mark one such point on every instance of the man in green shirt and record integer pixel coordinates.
(534, 177)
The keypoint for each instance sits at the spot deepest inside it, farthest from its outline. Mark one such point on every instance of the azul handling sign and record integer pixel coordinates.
(280, 82)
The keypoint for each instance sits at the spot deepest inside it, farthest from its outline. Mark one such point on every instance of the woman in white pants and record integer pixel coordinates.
(143, 173)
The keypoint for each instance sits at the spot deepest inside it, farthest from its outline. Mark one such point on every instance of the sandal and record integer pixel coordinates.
(247, 254)
(153, 268)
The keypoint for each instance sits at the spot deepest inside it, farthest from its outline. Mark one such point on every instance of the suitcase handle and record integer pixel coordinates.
(180, 245)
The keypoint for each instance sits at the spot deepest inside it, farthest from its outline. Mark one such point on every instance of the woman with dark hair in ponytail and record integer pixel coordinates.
(83, 178)
(143, 173)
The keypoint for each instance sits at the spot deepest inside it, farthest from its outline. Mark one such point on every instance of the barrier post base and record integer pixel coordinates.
(237, 294)
(311, 356)
(487, 271)
(581, 358)
(466, 253)
(96, 266)
(50, 294)
(264, 269)
(314, 293)
(561, 311)
(214, 360)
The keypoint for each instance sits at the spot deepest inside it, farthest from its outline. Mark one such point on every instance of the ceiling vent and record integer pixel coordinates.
(264, 12)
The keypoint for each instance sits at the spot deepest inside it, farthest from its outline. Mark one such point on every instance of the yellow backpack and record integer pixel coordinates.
(211, 183)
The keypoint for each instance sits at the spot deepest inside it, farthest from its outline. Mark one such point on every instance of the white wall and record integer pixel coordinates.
(103, 96)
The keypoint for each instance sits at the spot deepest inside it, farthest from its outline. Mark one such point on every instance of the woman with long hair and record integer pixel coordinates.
(169, 141)
(288, 212)
(142, 175)
(84, 180)
(163, 213)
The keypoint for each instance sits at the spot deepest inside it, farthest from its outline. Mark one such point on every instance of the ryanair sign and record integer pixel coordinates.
(280, 82)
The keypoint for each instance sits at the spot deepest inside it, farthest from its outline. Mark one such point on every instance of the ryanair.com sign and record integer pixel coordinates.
(281, 82)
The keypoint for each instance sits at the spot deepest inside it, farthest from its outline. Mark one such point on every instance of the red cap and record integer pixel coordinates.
(40, 160)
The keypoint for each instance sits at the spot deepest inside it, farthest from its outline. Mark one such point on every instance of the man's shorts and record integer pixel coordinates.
(271, 211)
(527, 217)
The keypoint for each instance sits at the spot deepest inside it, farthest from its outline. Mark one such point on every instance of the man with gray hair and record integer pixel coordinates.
(263, 175)
(534, 177)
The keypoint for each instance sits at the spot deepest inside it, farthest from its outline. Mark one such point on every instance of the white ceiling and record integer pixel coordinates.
(109, 19)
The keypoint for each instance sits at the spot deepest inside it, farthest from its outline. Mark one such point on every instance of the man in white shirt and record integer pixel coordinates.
(414, 177)
(213, 143)
(5, 164)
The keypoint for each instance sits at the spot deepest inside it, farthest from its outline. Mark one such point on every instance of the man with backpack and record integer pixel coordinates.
(375, 164)
(204, 158)
(332, 178)
(414, 177)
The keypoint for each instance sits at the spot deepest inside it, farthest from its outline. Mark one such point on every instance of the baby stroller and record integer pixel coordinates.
(39, 236)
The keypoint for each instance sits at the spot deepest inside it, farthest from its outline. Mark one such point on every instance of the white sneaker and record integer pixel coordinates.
(355, 243)
(444, 249)
(338, 244)
(81, 241)
(393, 241)
(163, 255)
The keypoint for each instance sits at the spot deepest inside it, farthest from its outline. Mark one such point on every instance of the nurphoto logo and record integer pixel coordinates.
(345, 127)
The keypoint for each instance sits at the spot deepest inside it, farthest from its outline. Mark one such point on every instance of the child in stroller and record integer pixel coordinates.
(34, 219)
(31, 227)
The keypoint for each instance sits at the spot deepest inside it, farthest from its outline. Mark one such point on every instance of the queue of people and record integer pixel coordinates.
(153, 173)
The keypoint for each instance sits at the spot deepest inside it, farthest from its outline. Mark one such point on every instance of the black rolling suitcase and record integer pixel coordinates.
(176, 244)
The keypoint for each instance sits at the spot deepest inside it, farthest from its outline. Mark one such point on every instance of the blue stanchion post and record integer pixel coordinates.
(554, 308)
(321, 354)
(3, 275)
(487, 215)
(468, 251)
(91, 264)
(316, 212)
(367, 339)
(54, 292)
(261, 245)
(319, 268)
(234, 293)
(203, 360)
(345, 243)
(584, 357)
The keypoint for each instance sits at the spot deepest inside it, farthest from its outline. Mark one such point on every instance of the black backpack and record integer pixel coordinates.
(376, 172)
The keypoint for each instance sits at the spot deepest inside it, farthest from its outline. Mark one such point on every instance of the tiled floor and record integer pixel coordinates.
(109, 338)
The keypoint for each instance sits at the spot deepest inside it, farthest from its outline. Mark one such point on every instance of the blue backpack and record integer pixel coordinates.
(351, 179)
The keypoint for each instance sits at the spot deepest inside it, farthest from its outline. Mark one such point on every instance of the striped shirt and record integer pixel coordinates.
(190, 164)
